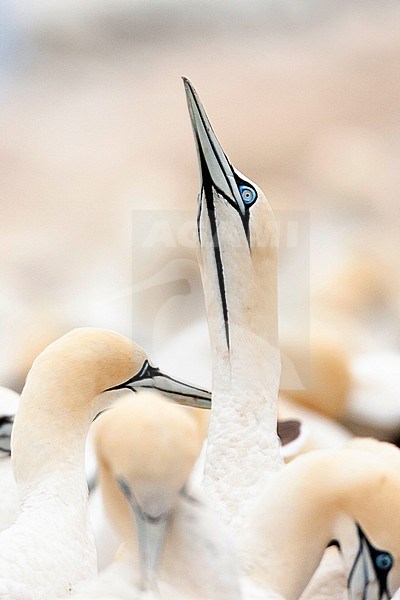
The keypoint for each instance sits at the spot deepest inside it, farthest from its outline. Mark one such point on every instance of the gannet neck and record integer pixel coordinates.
(61, 397)
(57, 406)
(242, 449)
(40, 447)
(302, 508)
(238, 250)
(252, 359)
(243, 443)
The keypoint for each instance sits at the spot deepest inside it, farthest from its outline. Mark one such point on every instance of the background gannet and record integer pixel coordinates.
(358, 388)
(319, 497)
(50, 548)
(326, 362)
(146, 447)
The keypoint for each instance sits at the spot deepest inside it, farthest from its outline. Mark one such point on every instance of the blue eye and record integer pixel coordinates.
(384, 561)
(249, 195)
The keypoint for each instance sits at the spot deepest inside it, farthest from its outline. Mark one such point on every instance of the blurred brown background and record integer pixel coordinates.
(305, 98)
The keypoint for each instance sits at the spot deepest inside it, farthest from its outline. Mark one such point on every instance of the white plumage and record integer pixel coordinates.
(238, 261)
(323, 496)
(50, 548)
(152, 445)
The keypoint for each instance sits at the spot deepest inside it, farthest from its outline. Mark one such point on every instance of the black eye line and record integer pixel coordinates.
(239, 181)
(208, 186)
(143, 371)
(146, 371)
(353, 568)
(246, 217)
(382, 575)
(334, 543)
(199, 209)
(130, 496)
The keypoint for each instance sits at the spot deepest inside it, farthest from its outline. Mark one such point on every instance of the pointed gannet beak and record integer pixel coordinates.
(151, 533)
(180, 392)
(226, 225)
(213, 162)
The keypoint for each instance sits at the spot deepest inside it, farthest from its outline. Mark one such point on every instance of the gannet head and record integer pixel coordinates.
(146, 447)
(64, 391)
(374, 571)
(151, 377)
(237, 236)
(369, 494)
(350, 495)
(97, 360)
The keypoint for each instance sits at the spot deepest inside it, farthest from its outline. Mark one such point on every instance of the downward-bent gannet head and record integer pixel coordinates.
(374, 563)
(146, 447)
(64, 391)
(97, 360)
(350, 495)
(237, 237)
